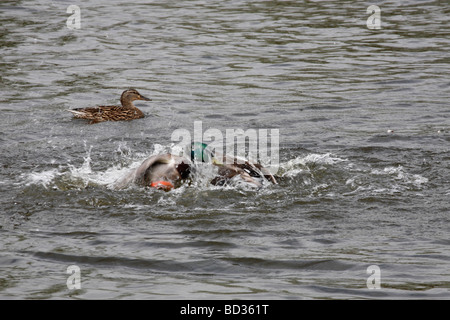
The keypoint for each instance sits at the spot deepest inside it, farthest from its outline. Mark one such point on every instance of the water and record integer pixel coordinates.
(364, 149)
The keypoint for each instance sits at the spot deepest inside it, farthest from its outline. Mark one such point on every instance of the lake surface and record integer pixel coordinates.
(364, 128)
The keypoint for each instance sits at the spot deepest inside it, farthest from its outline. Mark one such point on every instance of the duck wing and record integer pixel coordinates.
(254, 170)
(95, 113)
(227, 172)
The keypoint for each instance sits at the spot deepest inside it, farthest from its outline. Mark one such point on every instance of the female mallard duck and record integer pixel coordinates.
(162, 171)
(127, 111)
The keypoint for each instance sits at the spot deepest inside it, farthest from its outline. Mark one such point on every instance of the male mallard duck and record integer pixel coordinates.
(249, 172)
(127, 111)
(230, 167)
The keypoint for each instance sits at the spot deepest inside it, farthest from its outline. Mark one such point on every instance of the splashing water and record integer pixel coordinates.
(318, 173)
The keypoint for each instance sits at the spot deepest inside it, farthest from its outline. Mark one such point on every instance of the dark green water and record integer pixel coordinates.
(351, 194)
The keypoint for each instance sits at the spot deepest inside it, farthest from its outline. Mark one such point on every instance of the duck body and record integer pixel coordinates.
(127, 110)
(157, 169)
(164, 167)
(107, 113)
(252, 173)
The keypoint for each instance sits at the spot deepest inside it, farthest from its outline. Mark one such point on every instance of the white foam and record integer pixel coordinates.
(400, 174)
(299, 165)
(326, 158)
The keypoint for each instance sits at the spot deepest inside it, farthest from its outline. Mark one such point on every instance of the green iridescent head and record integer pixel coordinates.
(200, 152)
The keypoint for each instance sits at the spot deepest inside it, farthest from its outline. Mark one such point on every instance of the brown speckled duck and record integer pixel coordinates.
(127, 111)
(163, 171)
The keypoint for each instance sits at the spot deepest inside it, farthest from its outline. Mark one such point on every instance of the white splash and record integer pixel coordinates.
(43, 178)
(76, 176)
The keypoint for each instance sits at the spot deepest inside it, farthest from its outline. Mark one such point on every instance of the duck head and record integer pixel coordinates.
(130, 95)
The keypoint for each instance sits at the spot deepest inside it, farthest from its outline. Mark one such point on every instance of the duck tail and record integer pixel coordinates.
(76, 112)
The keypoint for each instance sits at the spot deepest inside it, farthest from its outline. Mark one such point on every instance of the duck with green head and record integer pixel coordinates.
(127, 110)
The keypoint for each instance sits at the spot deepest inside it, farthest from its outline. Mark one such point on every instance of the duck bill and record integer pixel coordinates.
(163, 185)
(145, 98)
